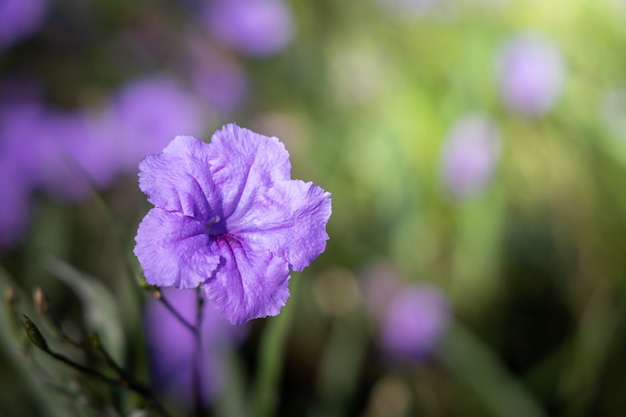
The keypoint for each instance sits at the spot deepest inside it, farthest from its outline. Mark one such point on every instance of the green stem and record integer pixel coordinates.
(265, 395)
(474, 364)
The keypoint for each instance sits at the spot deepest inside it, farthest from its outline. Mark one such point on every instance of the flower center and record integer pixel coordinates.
(208, 226)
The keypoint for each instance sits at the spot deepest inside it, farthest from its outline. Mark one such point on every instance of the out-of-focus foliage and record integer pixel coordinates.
(475, 150)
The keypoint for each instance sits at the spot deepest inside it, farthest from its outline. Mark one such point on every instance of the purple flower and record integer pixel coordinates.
(217, 77)
(19, 18)
(74, 155)
(256, 27)
(61, 151)
(18, 162)
(222, 83)
(469, 155)
(145, 114)
(228, 217)
(531, 73)
(171, 346)
(380, 282)
(415, 322)
(15, 207)
(20, 131)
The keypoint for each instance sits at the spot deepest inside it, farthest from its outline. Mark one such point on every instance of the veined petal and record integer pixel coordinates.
(250, 282)
(174, 250)
(243, 163)
(289, 220)
(179, 179)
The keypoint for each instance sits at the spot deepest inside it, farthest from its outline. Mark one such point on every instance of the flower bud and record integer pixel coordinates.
(40, 301)
(34, 334)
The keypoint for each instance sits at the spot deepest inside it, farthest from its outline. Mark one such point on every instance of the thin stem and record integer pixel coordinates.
(82, 368)
(128, 379)
(122, 373)
(159, 295)
(125, 381)
(195, 329)
(197, 359)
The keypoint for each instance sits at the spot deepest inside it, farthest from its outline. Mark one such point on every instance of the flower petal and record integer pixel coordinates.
(289, 220)
(178, 179)
(174, 250)
(242, 164)
(250, 283)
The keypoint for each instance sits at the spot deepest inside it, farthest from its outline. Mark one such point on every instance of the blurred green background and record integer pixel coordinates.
(366, 96)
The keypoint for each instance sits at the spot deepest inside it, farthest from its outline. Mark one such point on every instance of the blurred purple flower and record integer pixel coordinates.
(257, 28)
(74, 156)
(217, 78)
(379, 283)
(531, 73)
(62, 152)
(228, 217)
(171, 347)
(18, 125)
(222, 83)
(417, 318)
(20, 133)
(19, 18)
(15, 207)
(470, 153)
(145, 114)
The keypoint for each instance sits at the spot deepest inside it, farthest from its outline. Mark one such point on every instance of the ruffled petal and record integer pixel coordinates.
(244, 163)
(174, 250)
(289, 220)
(178, 179)
(250, 283)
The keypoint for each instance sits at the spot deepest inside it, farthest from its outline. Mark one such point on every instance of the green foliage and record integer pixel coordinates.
(364, 99)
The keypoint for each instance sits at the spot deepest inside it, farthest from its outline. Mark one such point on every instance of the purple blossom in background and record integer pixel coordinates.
(18, 124)
(62, 152)
(222, 83)
(15, 207)
(171, 347)
(531, 73)
(470, 153)
(228, 217)
(379, 283)
(74, 157)
(417, 318)
(146, 114)
(411, 318)
(217, 78)
(19, 18)
(257, 28)
(20, 133)
(71, 153)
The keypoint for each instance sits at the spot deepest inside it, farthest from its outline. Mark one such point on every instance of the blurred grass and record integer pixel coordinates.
(534, 265)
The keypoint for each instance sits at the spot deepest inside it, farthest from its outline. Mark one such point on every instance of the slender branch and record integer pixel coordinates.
(122, 373)
(197, 360)
(129, 379)
(159, 296)
(125, 380)
(82, 368)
